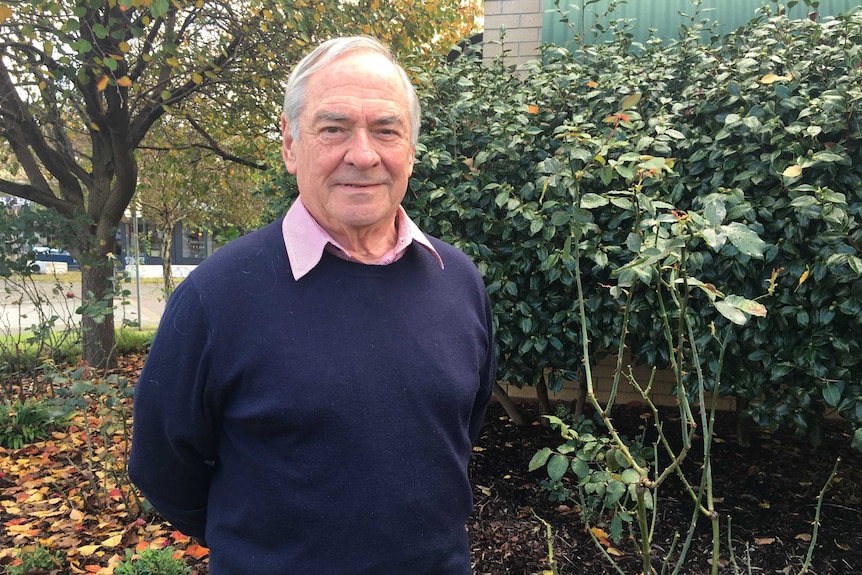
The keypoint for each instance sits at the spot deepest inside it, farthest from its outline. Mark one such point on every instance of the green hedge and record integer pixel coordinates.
(757, 134)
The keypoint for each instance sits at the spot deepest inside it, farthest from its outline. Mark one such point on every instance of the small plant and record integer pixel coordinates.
(36, 560)
(23, 422)
(152, 562)
(606, 480)
(105, 398)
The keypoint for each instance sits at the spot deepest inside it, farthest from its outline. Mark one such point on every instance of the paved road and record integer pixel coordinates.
(18, 311)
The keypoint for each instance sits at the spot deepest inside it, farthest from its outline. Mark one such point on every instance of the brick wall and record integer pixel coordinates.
(603, 374)
(522, 22)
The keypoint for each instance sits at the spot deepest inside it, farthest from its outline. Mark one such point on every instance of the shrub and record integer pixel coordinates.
(23, 422)
(761, 134)
(152, 562)
(36, 560)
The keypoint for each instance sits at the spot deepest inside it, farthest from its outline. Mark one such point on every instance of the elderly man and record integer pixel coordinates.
(312, 395)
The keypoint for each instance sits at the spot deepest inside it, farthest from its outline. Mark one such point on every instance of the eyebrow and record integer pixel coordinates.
(329, 116)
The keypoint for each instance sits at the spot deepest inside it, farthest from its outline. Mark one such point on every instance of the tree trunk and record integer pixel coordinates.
(580, 401)
(165, 252)
(97, 321)
(743, 422)
(542, 397)
(508, 405)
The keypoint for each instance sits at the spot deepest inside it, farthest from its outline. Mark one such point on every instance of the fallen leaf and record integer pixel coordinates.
(196, 551)
(87, 550)
(803, 537)
(764, 540)
(113, 540)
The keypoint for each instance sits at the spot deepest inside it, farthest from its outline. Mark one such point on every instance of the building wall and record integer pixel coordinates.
(521, 20)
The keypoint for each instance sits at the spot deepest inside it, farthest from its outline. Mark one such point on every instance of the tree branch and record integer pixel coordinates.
(213, 146)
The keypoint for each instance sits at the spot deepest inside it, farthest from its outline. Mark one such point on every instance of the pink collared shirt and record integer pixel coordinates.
(305, 240)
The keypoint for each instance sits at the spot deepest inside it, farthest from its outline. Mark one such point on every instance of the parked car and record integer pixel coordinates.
(46, 254)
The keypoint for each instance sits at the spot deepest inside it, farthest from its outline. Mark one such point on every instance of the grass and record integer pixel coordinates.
(126, 341)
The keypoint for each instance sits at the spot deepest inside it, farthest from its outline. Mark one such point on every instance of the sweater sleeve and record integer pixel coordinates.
(174, 438)
(487, 375)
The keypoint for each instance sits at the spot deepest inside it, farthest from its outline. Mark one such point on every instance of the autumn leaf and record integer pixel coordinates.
(87, 550)
(196, 551)
(803, 277)
(764, 540)
(102, 83)
(601, 535)
(180, 537)
(113, 540)
(793, 171)
(5, 13)
(771, 78)
(803, 537)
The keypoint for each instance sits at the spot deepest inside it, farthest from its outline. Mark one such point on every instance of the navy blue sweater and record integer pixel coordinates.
(319, 426)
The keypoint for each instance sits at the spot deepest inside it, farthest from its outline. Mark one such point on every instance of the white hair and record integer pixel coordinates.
(326, 53)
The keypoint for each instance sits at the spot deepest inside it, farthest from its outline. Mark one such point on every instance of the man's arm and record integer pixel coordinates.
(486, 378)
(174, 438)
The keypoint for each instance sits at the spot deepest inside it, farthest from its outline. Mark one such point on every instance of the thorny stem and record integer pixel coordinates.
(646, 535)
(549, 536)
(820, 497)
(598, 543)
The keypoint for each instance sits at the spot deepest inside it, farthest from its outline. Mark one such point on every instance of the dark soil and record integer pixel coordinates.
(767, 498)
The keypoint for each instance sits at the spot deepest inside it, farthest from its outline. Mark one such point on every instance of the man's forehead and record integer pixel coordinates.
(388, 115)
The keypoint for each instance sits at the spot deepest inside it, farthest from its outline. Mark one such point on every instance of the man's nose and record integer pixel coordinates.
(361, 152)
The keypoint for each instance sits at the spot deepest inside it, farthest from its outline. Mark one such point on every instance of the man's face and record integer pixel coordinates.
(353, 158)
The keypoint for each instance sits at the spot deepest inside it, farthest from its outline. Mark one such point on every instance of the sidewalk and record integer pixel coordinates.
(18, 312)
(148, 311)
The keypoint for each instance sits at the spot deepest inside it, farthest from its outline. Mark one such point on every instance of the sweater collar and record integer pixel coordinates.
(305, 240)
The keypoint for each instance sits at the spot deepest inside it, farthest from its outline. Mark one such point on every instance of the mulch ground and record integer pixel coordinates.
(50, 495)
(767, 494)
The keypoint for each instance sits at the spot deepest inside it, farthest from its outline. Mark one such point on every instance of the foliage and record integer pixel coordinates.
(606, 482)
(24, 422)
(277, 189)
(36, 559)
(85, 82)
(40, 322)
(191, 185)
(87, 390)
(134, 341)
(152, 562)
(75, 479)
(777, 120)
(754, 135)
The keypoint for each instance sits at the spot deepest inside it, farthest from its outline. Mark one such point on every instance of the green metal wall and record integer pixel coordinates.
(663, 15)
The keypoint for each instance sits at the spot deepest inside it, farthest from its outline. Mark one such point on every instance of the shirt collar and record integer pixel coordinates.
(305, 240)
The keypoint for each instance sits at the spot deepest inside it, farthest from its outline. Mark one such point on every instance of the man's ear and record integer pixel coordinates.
(287, 142)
